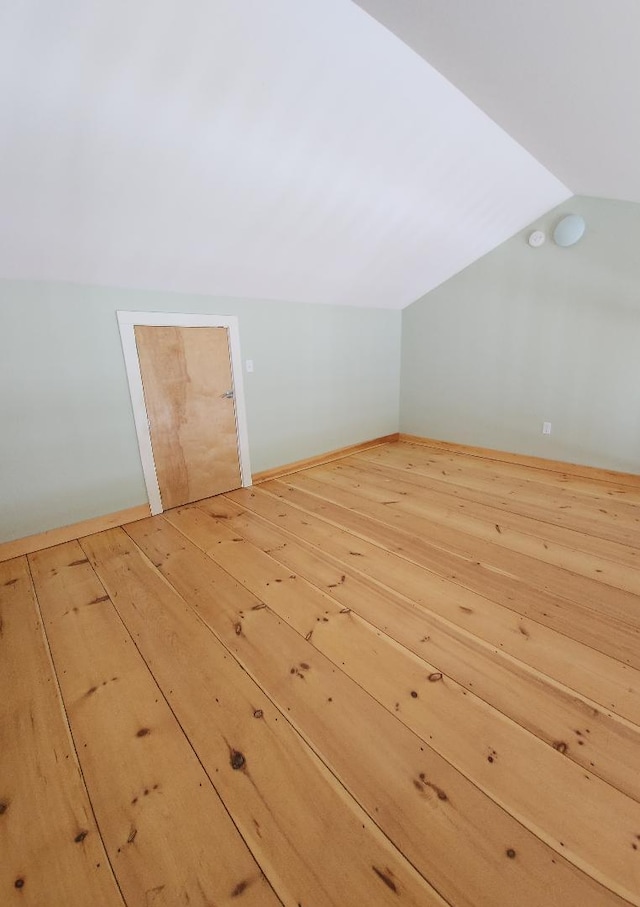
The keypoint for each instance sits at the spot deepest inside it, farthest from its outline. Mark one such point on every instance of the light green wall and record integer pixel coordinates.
(530, 335)
(325, 377)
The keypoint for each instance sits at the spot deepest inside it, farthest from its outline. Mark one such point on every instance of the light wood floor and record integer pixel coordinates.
(407, 677)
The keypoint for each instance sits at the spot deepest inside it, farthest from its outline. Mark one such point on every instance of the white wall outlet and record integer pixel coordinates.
(249, 365)
(546, 428)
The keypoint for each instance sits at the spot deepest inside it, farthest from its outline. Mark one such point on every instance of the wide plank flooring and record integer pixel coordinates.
(411, 676)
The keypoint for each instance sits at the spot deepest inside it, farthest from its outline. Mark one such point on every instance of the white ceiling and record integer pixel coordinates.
(561, 76)
(289, 149)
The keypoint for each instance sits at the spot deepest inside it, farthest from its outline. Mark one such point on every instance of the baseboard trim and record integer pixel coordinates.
(487, 453)
(278, 471)
(52, 537)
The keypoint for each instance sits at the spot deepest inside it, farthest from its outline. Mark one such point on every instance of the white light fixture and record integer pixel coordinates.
(536, 238)
(569, 230)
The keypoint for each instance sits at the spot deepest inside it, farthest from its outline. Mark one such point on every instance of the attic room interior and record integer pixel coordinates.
(320, 485)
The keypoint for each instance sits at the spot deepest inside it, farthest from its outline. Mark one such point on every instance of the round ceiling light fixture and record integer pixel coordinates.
(569, 230)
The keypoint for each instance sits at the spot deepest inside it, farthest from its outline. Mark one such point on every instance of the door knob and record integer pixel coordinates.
(228, 395)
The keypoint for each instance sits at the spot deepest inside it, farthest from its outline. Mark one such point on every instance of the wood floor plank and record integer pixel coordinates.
(551, 711)
(582, 494)
(341, 725)
(159, 815)
(567, 498)
(550, 471)
(561, 548)
(510, 511)
(51, 851)
(493, 752)
(316, 846)
(571, 617)
(411, 676)
(598, 677)
(452, 532)
(566, 476)
(458, 589)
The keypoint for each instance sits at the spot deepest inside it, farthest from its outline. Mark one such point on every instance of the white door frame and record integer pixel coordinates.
(127, 322)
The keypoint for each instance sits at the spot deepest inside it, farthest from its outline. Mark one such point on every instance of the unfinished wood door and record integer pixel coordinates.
(188, 392)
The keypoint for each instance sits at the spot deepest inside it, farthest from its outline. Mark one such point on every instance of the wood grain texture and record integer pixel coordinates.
(339, 719)
(50, 847)
(515, 504)
(549, 709)
(440, 597)
(63, 534)
(277, 472)
(444, 714)
(284, 802)
(158, 812)
(573, 551)
(595, 473)
(406, 676)
(185, 374)
(480, 567)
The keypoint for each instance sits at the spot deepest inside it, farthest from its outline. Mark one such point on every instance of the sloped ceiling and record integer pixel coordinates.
(283, 149)
(561, 76)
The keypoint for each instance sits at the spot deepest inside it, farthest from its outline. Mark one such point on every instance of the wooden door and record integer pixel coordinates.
(188, 392)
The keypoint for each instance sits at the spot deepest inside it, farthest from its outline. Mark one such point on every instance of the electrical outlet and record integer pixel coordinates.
(249, 365)
(546, 428)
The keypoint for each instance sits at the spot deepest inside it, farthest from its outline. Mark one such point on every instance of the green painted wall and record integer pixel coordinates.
(530, 335)
(325, 377)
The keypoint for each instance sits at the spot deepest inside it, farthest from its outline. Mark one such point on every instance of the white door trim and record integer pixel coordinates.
(127, 322)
